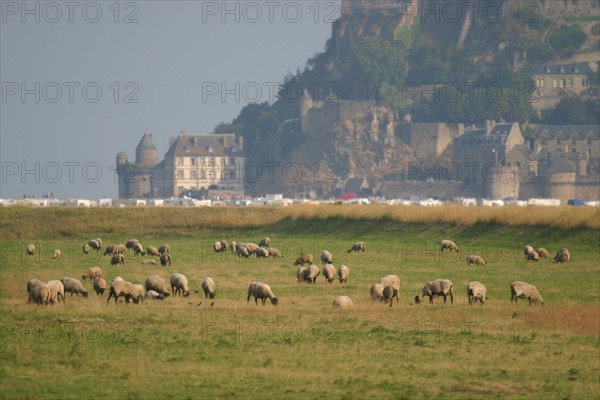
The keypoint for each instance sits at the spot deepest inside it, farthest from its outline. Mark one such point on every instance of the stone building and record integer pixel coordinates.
(134, 178)
(556, 81)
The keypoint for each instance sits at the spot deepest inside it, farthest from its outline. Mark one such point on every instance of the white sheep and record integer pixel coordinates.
(343, 273)
(543, 252)
(562, 256)
(153, 295)
(120, 288)
(57, 254)
(525, 291)
(439, 287)
(158, 284)
(475, 259)
(356, 247)
(39, 295)
(91, 273)
(304, 259)
(264, 242)
(311, 273)
(165, 258)
(99, 285)
(273, 252)
(329, 273)
(117, 259)
(57, 291)
(389, 292)
(209, 287)
(233, 246)
(138, 249)
(533, 256)
(326, 257)
(448, 244)
(261, 291)
(376, 292)
(179, 284)
(130, 244)
(86, 248)
(148, 262)
(74, 286)
(476, 291)
(152, 251)
(33, 282)
(31, 249)
(394, 282)
(262, 252)
(342, 302)
(138, 293)
(527, 249)
(95, 245)
(217, 247)
(164, 249)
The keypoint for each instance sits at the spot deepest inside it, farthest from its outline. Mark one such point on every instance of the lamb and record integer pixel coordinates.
(33, 282)
(262, 252)
(117, 259)
(475, 259)
(543, 252)
(264, 242)
(439, 287)
(152, 251)
(57, 291)
(179, 284)
(86, 248)
(448, 244)
(138, 293)
(57, 254)
(376, 292)
(343, 273)
(74, 286)
(158, 284)
(389, 292)
(304, 258)
(39, 295)
(329, 273)
(273, 252)
(326, 257)
(261, 291)
(356, 247)
(533, 256)
(94, 244)
(525, 291)
(562, 256)
(31, 249)
(91, 273)
(153, 295)
(476, 291)
(138, 249)
(99, 285)
(164, 249)
(120, 288)
(165, 259)
(148, 262)
(342, 302)
(209, 287)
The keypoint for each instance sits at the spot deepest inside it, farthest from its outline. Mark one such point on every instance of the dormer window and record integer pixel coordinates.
(209, 149)
(186, 149)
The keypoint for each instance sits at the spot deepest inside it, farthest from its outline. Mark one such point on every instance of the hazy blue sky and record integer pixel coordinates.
(71, 74)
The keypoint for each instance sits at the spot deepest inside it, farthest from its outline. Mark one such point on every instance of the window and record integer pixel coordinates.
(193, 175)
(179, 174)
(573, 150)
(179, 161)
(232, 161)
(559, 153)
(569, 82)
(540, 83)
(589, 152)
(562, 83)
(193, 160)
(554, 83)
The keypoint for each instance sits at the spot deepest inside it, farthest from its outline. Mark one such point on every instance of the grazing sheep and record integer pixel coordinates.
(164, 249)
(131, 244)
(562, 256)
(138, 249)
(391, 280)
(57, 291)
(148, 262)
(233, 246)
(110, 250)
(74, 286)
(165, 258)
(439, 287)
(356, 247)
(376, 292)
(158, 284)
(329, 273)
(449, 244)
(152, 251)
(209, 287)
(92, 272)
(525, 291)
(527, 249)
(179, 284)
(543, 252)
(261, 291)
(243, 251)
(304, 258)
(389, 292)
(251, 247)
(138, 293)
(31, 249)
(119, 248)
(475, 259)
(39, 295)
(86, 248)
(120, 288)
(343, 273)
(342, 302)
(99, 241)
(217, 247)
(264, 242)
(95, 245)
(262, 252)
(476, 291)
(326, 257)
(116, 279)
(99, 285)
(57, 254)
(33, 282)
(275, 253)
(117, 259)
(300, 274)
(533, 256)
(311, 273)
(153, 295)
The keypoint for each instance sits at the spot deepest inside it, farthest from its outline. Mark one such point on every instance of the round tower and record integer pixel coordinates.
(146, 153)
(122, 158)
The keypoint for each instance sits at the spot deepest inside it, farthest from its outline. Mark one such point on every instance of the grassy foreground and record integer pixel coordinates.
(188, 348)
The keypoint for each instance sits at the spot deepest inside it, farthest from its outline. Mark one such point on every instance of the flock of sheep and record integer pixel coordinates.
(155, 286)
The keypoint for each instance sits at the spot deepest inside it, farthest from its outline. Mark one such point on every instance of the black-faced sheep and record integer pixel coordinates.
(310, 274)
(209, 287)
(117, 259)
(356, 247)
(329, 273)
(120, 288)
(342, 302)
(57, 291)
(261, 291)
(33, 282)
(376, 292)
(343, 273)
(138, 293)
(264, 242)
(394, 282)
(99, 285)
(131, 243)
(91, 273)
(95, 245)
(439, 287)
(525, 291)
(448, 244)
(138, 249)
(153, 295)
(562, 256)
(527, 249)
(158, 284)
(533, 256)
(152, 251)
(475, 259)
(164, 249)
(165, 259)
(179, 284)
(39, 295)
(326, 257)
(304, 259)
(476, 291)
(74, 286)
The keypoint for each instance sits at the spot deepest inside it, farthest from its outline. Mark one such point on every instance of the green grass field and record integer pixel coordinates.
(302, 348)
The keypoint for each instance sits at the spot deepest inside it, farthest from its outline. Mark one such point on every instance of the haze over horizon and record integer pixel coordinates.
(82, 82)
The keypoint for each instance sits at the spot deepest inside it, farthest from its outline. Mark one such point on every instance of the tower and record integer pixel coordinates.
(146, 153)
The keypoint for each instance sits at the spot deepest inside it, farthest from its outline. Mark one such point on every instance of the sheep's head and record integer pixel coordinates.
(274, 301)
(85, 294)
(186, 293)
(418, 299)
(212, 295)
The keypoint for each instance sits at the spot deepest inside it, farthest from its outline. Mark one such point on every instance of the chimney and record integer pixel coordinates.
(489, 125)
